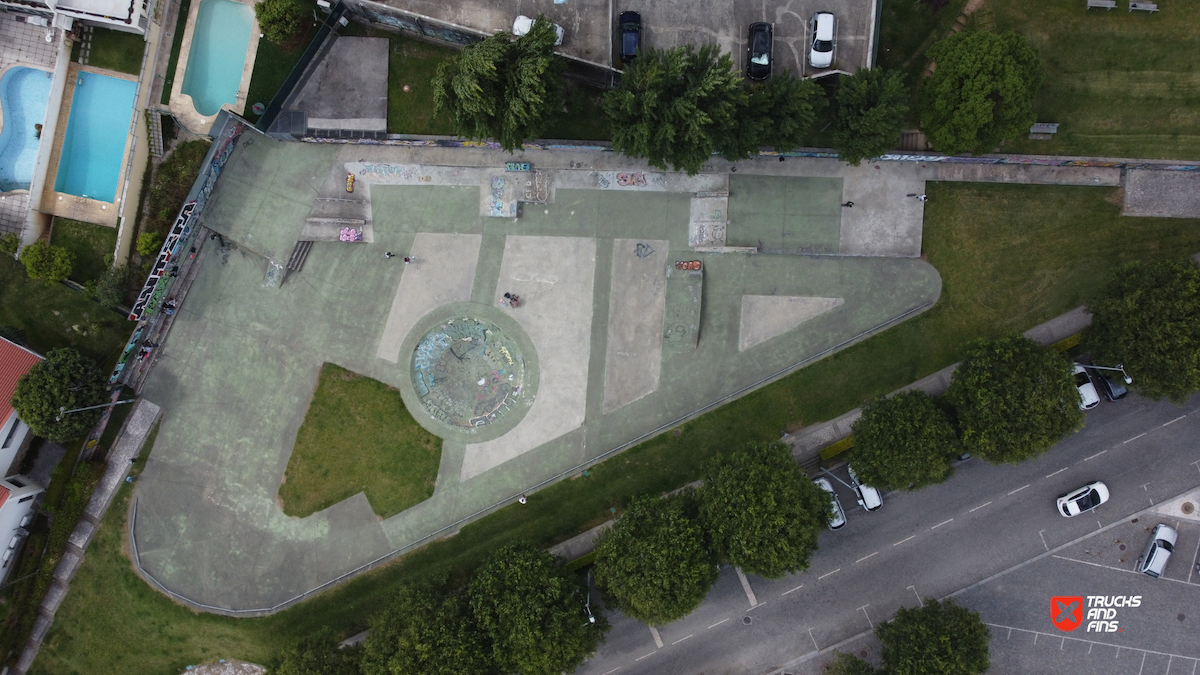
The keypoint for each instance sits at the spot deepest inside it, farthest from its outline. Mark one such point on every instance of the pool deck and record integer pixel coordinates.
(21, 45)
(181, 104)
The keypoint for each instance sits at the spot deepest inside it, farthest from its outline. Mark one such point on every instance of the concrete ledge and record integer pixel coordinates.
(54, 598)
(82, 535)
(67, 566)
(581, 544)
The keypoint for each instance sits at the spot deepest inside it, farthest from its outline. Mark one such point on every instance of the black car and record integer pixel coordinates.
(758, 61)
(631, 35)
(1112, 390)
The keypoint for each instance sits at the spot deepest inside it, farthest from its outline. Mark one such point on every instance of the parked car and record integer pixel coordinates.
(839, 516)
(524, 24)
(1088, 398)
(824, 39)
(868, 497)
(1162, 543)
(1083, 499)
(1112, 389)
(631, 35)
(758, 61)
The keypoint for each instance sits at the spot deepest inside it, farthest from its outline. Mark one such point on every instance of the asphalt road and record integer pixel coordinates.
(985, 520)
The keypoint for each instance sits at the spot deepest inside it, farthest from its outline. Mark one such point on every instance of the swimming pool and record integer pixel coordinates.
(218, 54)
(24, 93)
(97, 130)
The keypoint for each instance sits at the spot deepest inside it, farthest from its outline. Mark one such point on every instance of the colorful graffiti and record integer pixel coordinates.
(637, 179)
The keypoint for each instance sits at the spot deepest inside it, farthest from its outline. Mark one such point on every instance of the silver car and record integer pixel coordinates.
(839, 516)
(868, 497)
(1162, 543)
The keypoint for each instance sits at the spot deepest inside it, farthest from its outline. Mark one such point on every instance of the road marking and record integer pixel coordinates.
(718, 623)
(1061, 470)
(1088, 459)
(613, 670)
(657, 638)
(828, 573)
(865, 557)
(794, 589)
(864, 611)
(680, 640)
(1144, 664)
(1174, 420)
(756, 606)
(904, 540)
(746, 587)
(1195, 559)
(1043, 539)
(914, 590)
(978, 507)
(810, 635)
(1064, 644)
(1135, 438)
(1017, 490)
(941, 524)
(1119, 569)
(643, 657)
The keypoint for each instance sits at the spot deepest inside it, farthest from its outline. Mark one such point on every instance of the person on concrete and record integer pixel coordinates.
(923, 198)
(407, 260)
(848, 205)
(389, 255)
(512, 300)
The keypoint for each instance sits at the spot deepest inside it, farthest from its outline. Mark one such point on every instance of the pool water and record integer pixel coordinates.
(218, 54)
(24, 93)
(94, 145)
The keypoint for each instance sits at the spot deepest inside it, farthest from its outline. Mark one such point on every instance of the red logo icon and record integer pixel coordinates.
(1066, 611)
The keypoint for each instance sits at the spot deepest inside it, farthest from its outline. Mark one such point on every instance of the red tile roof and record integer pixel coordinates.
(4, 492)
(15, 361)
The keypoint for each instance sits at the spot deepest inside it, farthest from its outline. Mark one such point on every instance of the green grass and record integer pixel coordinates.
(357, 436)
(272, 65)
(1010, 257)
(1121, 84)
(176, 44)
(114, 50)
(169, 188)
(93, 246)
(907, 29)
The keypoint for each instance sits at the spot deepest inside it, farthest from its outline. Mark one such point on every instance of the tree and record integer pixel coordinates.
(762, 513)
(426, 630)
(871, 108)
(938, 638)
(777, 114)
(279, 20)
(64, 379)
(318, 654)
(904, 442)
(675, 106)
(9, 243)
(46, 261)
(653, 561)
(112, 285)
(848, 664)
(1013, 399)
(533, 612)
(981, 92)
(149, 243)
(503, 88)
(1148, 318)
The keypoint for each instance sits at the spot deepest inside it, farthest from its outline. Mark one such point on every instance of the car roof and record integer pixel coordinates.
(1166, 533)
(824, 25)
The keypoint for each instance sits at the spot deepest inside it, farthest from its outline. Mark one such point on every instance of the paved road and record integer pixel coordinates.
(985, 520)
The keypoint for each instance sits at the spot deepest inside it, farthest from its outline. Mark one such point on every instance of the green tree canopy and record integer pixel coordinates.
(1013, 399)
(426, 630)
(318, 654)
(503, 88)
(981, 91)
(904, 442)
(1148, 318)
(112, 286)
(778, 114)
(533, 613)
(871, 108)
(149, 243)
(848, 664)
(65, 379)
(279, 20)
(46, 261)
(939, 638)
(9, 243)
(653, 561)
(762, 513)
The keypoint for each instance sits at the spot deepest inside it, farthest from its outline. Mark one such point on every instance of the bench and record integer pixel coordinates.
(1102, 4)
(1042, 131)
(1143, 6)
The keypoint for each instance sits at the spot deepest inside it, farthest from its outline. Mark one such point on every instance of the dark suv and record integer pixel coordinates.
(758, 61)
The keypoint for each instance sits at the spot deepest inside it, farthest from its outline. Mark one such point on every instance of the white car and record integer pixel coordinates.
(868, 497)
(1088, 398)
(824, 30)
(1154, 560)
(839, 516)
(1083, 499)
(524, 24)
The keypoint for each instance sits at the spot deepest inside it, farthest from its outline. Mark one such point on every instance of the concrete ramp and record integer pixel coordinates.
(681, 318)
(1162, 194)
(708, 219)
(768, 316)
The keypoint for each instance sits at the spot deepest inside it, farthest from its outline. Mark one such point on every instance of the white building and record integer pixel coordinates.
(18, 498)
(126, 15)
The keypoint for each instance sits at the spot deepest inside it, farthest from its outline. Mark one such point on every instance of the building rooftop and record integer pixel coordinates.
(15, 361)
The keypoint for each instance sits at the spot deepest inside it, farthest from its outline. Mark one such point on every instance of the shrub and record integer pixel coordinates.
(148, 244)
(9, 243)
(279, 20)
(46, 261)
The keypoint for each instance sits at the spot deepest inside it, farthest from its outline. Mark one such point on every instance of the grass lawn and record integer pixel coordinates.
(272, 65)
(176, 44)
(1010, 257)
(357, 436)
(116, 50)
(91, 244)
(1121, 84)
(169, 188)
(907, 29)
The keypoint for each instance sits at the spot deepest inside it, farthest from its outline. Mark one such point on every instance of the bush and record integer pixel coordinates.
(279, 20)
(45, 261)
(149, 243)
(110, 289)
(172, 182)
(9, 243)
(904, 442)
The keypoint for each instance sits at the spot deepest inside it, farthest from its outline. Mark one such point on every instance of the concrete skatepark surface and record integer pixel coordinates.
(238, 371)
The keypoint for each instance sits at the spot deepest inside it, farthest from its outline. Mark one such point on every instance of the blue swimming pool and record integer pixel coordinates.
(218, 54)
(23, 96)
(97, 131)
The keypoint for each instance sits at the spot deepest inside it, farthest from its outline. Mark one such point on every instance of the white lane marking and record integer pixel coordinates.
(1061, 470)
(865, 557)
(904, 540)
(914, 590)
(718, 623)
(613, 670)
(755, 607)
(1195, 559)
(1174, 420)
(1043, 539)
(680, 640)
(941, 524)
(828, 573)
(815, 645)
(1017, 490)
(794, 589)
(646, 656)
(657, 638)
(746, 587)
(978, 507)
(1135, 438)
(864, 611)
(1090, 458)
